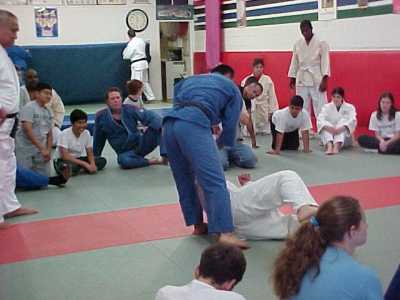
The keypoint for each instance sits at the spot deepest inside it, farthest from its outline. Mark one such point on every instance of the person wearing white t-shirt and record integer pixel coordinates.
(221, 268)
(75, 146)
(385, 122)
(285, 126)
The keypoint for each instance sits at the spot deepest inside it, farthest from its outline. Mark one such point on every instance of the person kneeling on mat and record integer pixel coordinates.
(285, 126)
(75, 147)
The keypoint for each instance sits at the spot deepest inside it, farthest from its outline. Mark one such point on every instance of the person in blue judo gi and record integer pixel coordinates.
(201, 102)
(119, 124)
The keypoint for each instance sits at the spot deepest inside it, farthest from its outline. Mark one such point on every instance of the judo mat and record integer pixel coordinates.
(32, 240)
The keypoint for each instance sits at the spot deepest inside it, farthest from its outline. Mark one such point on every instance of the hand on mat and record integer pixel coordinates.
(91, 168)
(383, 146)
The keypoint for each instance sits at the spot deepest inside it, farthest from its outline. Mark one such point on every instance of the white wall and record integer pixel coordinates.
(94, 24)
(366, 33)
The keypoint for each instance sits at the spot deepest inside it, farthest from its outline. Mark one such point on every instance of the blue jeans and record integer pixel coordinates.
(30, 180)
(135, 158)
(241, 155)
(194, 159)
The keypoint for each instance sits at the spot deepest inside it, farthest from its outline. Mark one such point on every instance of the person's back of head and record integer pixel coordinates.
(222, 264)
(303, 251)
(258, 61)
(224, 70)
(131, 33)
(134, 86)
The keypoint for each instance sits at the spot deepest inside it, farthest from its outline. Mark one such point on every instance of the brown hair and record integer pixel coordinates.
(133, 86)
(303, 250)
(392, 111)
(258, 61)
(112, 89)
(222, 262)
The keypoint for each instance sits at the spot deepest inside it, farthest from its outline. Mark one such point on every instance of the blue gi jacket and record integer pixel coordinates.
(122, 137)
(218, 95)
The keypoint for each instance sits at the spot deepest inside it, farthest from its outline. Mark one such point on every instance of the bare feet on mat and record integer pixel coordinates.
(22, 211)
(230, 238)
(200, 229)
(329, 149)
(305, 212)
(159, 161)
(336, 148)
(5, 225)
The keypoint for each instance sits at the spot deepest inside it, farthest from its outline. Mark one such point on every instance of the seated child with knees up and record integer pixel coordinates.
(135, 91)
(75, 147)
(34, 137)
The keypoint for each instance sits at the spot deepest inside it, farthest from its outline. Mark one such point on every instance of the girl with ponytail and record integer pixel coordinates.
(316, 262)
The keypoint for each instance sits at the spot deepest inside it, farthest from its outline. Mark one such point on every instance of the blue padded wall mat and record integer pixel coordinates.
(81, 73)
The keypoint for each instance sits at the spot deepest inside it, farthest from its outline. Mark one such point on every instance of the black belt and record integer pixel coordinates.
(194, 104)
(136, 60)
(15, 126)
(11, 116)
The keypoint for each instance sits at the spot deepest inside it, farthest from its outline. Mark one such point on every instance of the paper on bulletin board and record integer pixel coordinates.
(327, 10)
(46, 22)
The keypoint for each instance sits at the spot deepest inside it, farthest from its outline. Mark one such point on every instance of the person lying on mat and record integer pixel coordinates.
(256, 205)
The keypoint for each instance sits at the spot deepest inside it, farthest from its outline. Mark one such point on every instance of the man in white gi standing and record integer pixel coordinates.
(9, 102)
(310, 69)
(135, 51)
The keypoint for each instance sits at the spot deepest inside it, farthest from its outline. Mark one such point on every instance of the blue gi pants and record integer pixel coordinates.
(240, 155)
(135, 158)
(27, 179)
(194, 157)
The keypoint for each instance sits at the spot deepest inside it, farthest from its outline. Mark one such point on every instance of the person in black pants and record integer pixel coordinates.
(285, 126)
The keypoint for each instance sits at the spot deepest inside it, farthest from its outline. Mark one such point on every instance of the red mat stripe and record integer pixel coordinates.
(73, 234)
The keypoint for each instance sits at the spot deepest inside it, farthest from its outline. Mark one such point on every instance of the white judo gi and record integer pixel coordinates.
(310, 63)
(9, 100)
(134, 51)
(265, 104)
(255, 206)
(330, 116)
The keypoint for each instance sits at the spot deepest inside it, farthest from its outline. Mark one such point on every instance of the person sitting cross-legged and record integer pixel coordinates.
(75, 147)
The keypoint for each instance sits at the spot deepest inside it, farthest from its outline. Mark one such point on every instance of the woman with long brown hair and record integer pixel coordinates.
(316, 262)
(385, 122)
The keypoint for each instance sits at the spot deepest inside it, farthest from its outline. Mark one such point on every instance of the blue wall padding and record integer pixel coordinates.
(81, 73)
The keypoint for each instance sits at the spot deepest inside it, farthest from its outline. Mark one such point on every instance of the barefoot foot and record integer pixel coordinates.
(22, 211)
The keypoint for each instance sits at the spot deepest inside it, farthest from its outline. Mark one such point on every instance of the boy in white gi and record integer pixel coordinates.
(285, 126)
(75, 147)
(336, 123)
(255, 205)
(266, 103)
(310, 68)
(221, 268)
(34, 137)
